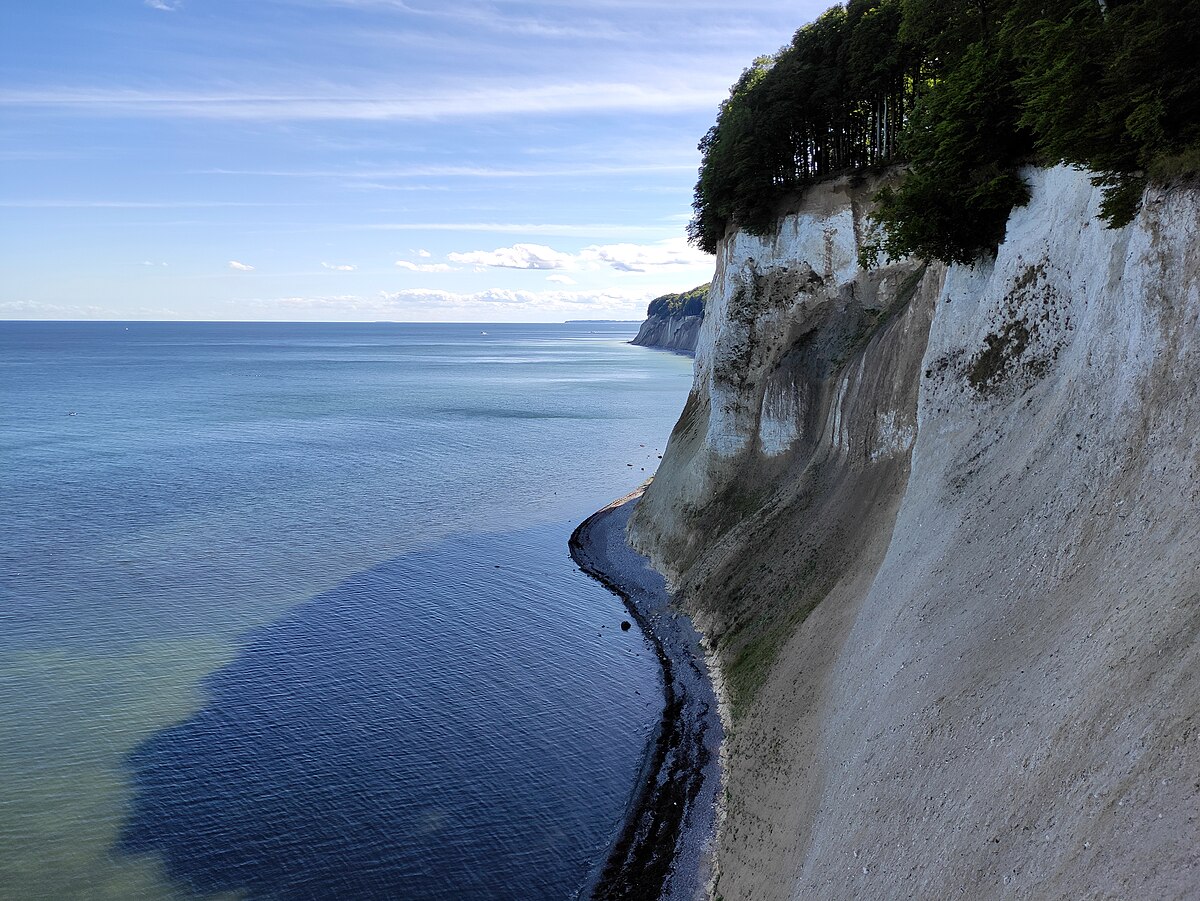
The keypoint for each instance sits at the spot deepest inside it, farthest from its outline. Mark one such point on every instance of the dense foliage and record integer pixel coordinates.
(962, 92)
(689, 303)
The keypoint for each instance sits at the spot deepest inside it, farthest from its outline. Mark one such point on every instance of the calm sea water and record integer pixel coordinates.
(286, 611)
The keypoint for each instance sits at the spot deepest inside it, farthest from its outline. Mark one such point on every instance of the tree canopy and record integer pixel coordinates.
(687, 303)
(962, 93)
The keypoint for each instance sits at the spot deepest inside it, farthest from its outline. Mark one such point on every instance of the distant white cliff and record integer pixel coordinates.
(673, 321)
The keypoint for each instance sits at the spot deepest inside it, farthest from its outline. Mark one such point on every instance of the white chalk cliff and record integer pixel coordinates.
(942, 525)
(679, 333)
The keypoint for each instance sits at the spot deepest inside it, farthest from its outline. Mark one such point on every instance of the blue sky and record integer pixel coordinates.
(360, 159)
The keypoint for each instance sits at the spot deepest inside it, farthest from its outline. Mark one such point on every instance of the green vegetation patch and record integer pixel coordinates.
(687, 303)
(752, 648)
(963, 93)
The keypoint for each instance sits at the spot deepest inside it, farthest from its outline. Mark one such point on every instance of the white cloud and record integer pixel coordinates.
(585, 230)
(240, 267)
(424, 254)
(514, 302)
(435, 305)
(619, 257)
(643, 257)
(586, 169)
(424, 267)
(129, 204)
(163, 5)
(519, 256)
(343, 267)
(150, 263)
(560, 279)
(542, 301)
(32, 309)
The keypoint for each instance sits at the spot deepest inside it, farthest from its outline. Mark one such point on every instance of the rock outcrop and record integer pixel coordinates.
(673, 321)
(940, 525)
(670, 333)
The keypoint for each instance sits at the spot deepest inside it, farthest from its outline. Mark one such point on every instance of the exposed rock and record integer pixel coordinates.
(670, 333)
(941, 525)
(673, 321)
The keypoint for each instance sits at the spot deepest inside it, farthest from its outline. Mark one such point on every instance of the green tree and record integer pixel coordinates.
(964, 142)
(964, 92)
(730, 171)
(1115, 90)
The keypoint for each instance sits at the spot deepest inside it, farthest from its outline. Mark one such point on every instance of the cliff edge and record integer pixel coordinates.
(940, 526)
(673, 321)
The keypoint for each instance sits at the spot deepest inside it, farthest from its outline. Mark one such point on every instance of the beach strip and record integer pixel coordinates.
(664, 851)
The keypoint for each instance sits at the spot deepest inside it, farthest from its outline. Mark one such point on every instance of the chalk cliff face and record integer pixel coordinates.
(941, 525)
(670, 333)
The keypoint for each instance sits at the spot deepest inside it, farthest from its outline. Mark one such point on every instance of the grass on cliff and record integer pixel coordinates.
(751, 650)
(764, 595)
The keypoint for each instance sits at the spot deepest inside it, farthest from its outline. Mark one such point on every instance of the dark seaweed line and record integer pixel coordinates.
(639, 864)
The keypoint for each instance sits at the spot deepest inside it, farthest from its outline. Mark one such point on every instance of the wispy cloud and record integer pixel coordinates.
(32, 309)
(585, 230)
(372, 174)
(164, 5)
(560, 279)
(619, 257)
(624, 6)
(132, 204)
(339, 267)
(22, 155)
(566, 301)
(382, 104)
(424, 267)
(240, 267)
(350, 185)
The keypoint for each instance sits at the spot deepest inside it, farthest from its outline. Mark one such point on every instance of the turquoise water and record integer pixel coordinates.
(286, 610)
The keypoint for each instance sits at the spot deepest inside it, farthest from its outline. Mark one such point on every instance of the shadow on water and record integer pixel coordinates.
(465, 722)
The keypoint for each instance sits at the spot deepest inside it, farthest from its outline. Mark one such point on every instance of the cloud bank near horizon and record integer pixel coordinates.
(293, 143)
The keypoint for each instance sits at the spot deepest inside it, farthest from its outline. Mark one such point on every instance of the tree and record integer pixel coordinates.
(964, 92)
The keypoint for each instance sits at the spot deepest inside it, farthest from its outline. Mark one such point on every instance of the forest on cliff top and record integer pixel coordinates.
(687, 303)
(961, 94)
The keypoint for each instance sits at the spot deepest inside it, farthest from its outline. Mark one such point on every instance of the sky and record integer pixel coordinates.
(360, 160)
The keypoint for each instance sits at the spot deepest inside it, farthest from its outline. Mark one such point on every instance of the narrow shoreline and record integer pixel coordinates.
(664, 851)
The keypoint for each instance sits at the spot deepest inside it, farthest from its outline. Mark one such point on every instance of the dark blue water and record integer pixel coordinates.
(286, 610)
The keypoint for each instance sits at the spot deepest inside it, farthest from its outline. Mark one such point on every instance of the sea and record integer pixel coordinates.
(287, 611)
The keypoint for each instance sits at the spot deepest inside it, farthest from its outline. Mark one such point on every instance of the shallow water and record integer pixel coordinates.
(286, 610)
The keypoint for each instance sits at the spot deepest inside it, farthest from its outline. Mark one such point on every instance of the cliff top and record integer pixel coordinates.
(687, 303)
